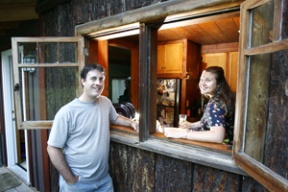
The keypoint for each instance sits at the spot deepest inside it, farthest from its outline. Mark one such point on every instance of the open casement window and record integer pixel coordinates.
(46, 76)
(260, 145)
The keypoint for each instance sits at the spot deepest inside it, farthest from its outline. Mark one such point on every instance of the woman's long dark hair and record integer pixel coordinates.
(226, 95)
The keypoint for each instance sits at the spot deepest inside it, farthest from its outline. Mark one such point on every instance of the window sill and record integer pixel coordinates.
(218, 156)
(218, 147)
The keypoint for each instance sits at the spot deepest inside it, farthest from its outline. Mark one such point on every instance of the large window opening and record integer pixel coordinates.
(184, 48)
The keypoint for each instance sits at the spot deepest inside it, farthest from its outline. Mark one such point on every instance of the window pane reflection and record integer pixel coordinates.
(27, 53)
(45, 90)
(48, 52)
(262, 24)
(267, 110)
(68, 52)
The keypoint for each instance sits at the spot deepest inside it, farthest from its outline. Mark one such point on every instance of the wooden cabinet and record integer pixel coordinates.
(181, 59)
(232, 70)
(177, 59)
(228, 61)
(170, 58)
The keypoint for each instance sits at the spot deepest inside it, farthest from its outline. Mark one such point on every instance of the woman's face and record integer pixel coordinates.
(208, 83)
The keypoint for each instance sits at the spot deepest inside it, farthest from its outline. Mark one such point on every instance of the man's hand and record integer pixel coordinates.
(72, 180)
(135, 125)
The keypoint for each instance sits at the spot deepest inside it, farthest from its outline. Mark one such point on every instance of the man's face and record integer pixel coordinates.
(93, 85)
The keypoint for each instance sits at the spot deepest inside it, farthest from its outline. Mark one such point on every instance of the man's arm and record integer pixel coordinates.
(58, 160)
(123, 121)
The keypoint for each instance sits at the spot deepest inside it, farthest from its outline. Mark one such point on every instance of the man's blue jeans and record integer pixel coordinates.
(103, 185)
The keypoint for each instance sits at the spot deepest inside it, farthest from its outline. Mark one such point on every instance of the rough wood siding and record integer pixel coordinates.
(210, 179)
(249, 184)
(170, 172)
(285, 21)
(61, 21)
(276, 142)
(131, 168)
(119, 166)
(138, 170)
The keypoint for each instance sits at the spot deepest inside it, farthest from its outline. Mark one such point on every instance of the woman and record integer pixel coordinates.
(218, 118)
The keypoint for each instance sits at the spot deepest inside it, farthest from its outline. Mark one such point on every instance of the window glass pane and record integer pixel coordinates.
(118, 89)
(27, 53)
(267, 110)
(48, 52)
(68, 52)
(262, 24)
(45, 90)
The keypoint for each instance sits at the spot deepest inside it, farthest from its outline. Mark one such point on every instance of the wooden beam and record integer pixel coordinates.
(2, 31)
(157, 11)
(9, 25)
(48, 4)
(17, 12)
(103, 60)
(219, 48)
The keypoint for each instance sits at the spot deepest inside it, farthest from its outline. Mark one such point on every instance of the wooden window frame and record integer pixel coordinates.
(20, 122)
(255, 169)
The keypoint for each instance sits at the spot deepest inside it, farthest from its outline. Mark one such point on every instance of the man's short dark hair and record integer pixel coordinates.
(91, 67)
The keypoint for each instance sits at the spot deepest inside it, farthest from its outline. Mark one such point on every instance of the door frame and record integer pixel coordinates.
(10, 134)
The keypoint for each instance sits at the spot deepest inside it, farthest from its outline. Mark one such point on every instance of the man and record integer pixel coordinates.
(79, 140)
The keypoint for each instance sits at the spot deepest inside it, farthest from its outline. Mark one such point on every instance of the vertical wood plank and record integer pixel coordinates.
(103, 60)
(44, 133)
(93, 52)
(172, 174)
(141, 170)
(210, 179)
(276, 142)
(249, 184)
(119, 166)
(232, 70)
(147, 79)
(135, 77)
(284, 24)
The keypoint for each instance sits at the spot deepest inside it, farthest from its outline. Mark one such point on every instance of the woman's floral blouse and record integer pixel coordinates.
(214, 115)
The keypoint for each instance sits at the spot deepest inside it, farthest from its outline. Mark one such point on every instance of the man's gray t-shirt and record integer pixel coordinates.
(82, 131)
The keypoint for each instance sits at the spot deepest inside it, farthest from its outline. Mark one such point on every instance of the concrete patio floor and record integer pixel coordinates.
(20, 188)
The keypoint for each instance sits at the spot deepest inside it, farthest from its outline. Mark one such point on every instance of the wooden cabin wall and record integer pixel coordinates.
(134, 169)
(139, 170)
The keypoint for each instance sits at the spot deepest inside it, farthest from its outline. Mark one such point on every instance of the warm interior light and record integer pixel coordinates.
(137, 116)
(118, 35)
(117, 32)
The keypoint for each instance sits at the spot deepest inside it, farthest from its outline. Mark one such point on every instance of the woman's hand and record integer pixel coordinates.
(184, 124)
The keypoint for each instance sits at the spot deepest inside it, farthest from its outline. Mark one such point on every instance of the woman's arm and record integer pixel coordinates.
(216, 134)
(187, 125)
